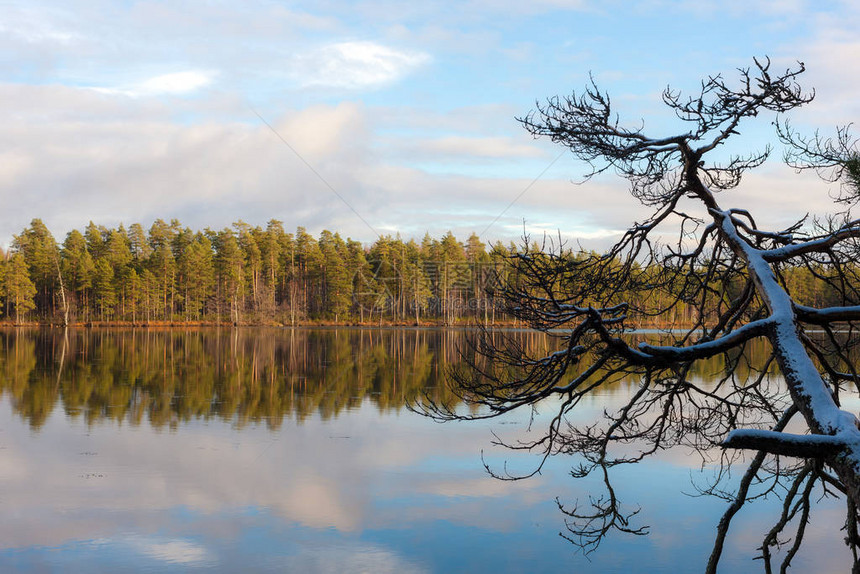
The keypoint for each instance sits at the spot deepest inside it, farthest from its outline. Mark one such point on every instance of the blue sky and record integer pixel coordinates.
(131, 111)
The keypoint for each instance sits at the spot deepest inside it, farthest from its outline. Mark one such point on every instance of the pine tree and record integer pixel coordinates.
(309, 272)
(104, 290)
(3, 265)
(252, 260)
(18, 287)
(336, 280)
(271, 247)
(196, 269)
(140, 248)
(229, 268)
(95, 236)
(40, 251)
(78, 267)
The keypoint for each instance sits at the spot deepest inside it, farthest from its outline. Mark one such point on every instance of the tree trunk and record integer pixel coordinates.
(63, 295)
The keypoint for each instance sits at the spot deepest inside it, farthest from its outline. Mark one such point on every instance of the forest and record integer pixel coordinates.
(250, 275)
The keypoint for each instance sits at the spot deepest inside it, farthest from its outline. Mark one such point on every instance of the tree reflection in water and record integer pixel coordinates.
(163, 378)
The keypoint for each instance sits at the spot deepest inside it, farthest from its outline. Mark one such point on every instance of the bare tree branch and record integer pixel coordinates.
(722, 287)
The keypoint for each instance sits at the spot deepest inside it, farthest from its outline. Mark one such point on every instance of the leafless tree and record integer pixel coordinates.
(730, 279)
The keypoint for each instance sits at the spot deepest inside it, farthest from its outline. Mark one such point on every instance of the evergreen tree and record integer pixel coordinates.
(197, 270)
(150, 294)
(140, 247)
(104, 290)
(40, 251)
(117, 252)
(95, 236)
(133, 293)
(416, 282)
(78, 268)
(362, 278)
(3, 264)
(481, 275)
(336, 281)
(163, 267)
(271, 248)
(289, 276)
(17, 286)
(308, 270)
(229, 264)
(252, 257)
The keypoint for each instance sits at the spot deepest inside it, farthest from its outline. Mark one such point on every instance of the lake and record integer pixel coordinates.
(292, 450)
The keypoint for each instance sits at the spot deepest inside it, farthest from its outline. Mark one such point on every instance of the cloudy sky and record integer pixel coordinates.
(374, 117)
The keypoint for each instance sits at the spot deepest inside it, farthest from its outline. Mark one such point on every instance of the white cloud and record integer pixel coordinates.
(76, 156)
(12, 166)
(829, 62)
(178, 83)
(486, 147)
(354, 65)
(72, 155)
(174, 84)
(36, 26)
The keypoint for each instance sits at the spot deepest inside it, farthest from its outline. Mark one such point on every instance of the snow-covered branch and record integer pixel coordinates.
(785, 444)
(827, 315)
(818, 245)
(708, 348)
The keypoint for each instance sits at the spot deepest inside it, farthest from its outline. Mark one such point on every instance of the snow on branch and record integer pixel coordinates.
(786, 444)
(827, 315)
(818, 245)
(709, 348)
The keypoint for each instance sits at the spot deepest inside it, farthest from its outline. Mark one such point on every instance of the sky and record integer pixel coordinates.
(379, 117)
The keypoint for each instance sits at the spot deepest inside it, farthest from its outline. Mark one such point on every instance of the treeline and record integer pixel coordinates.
(243, 275)
(267, 276)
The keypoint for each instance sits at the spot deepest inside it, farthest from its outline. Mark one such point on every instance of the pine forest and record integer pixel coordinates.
(250, 275)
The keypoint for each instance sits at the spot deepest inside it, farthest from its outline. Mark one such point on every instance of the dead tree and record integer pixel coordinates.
(728, 276)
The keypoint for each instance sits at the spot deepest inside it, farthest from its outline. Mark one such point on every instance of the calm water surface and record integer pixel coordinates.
(292, 451)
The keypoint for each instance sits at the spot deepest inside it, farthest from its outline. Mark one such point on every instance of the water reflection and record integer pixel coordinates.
(293, 452)
(244, 376)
